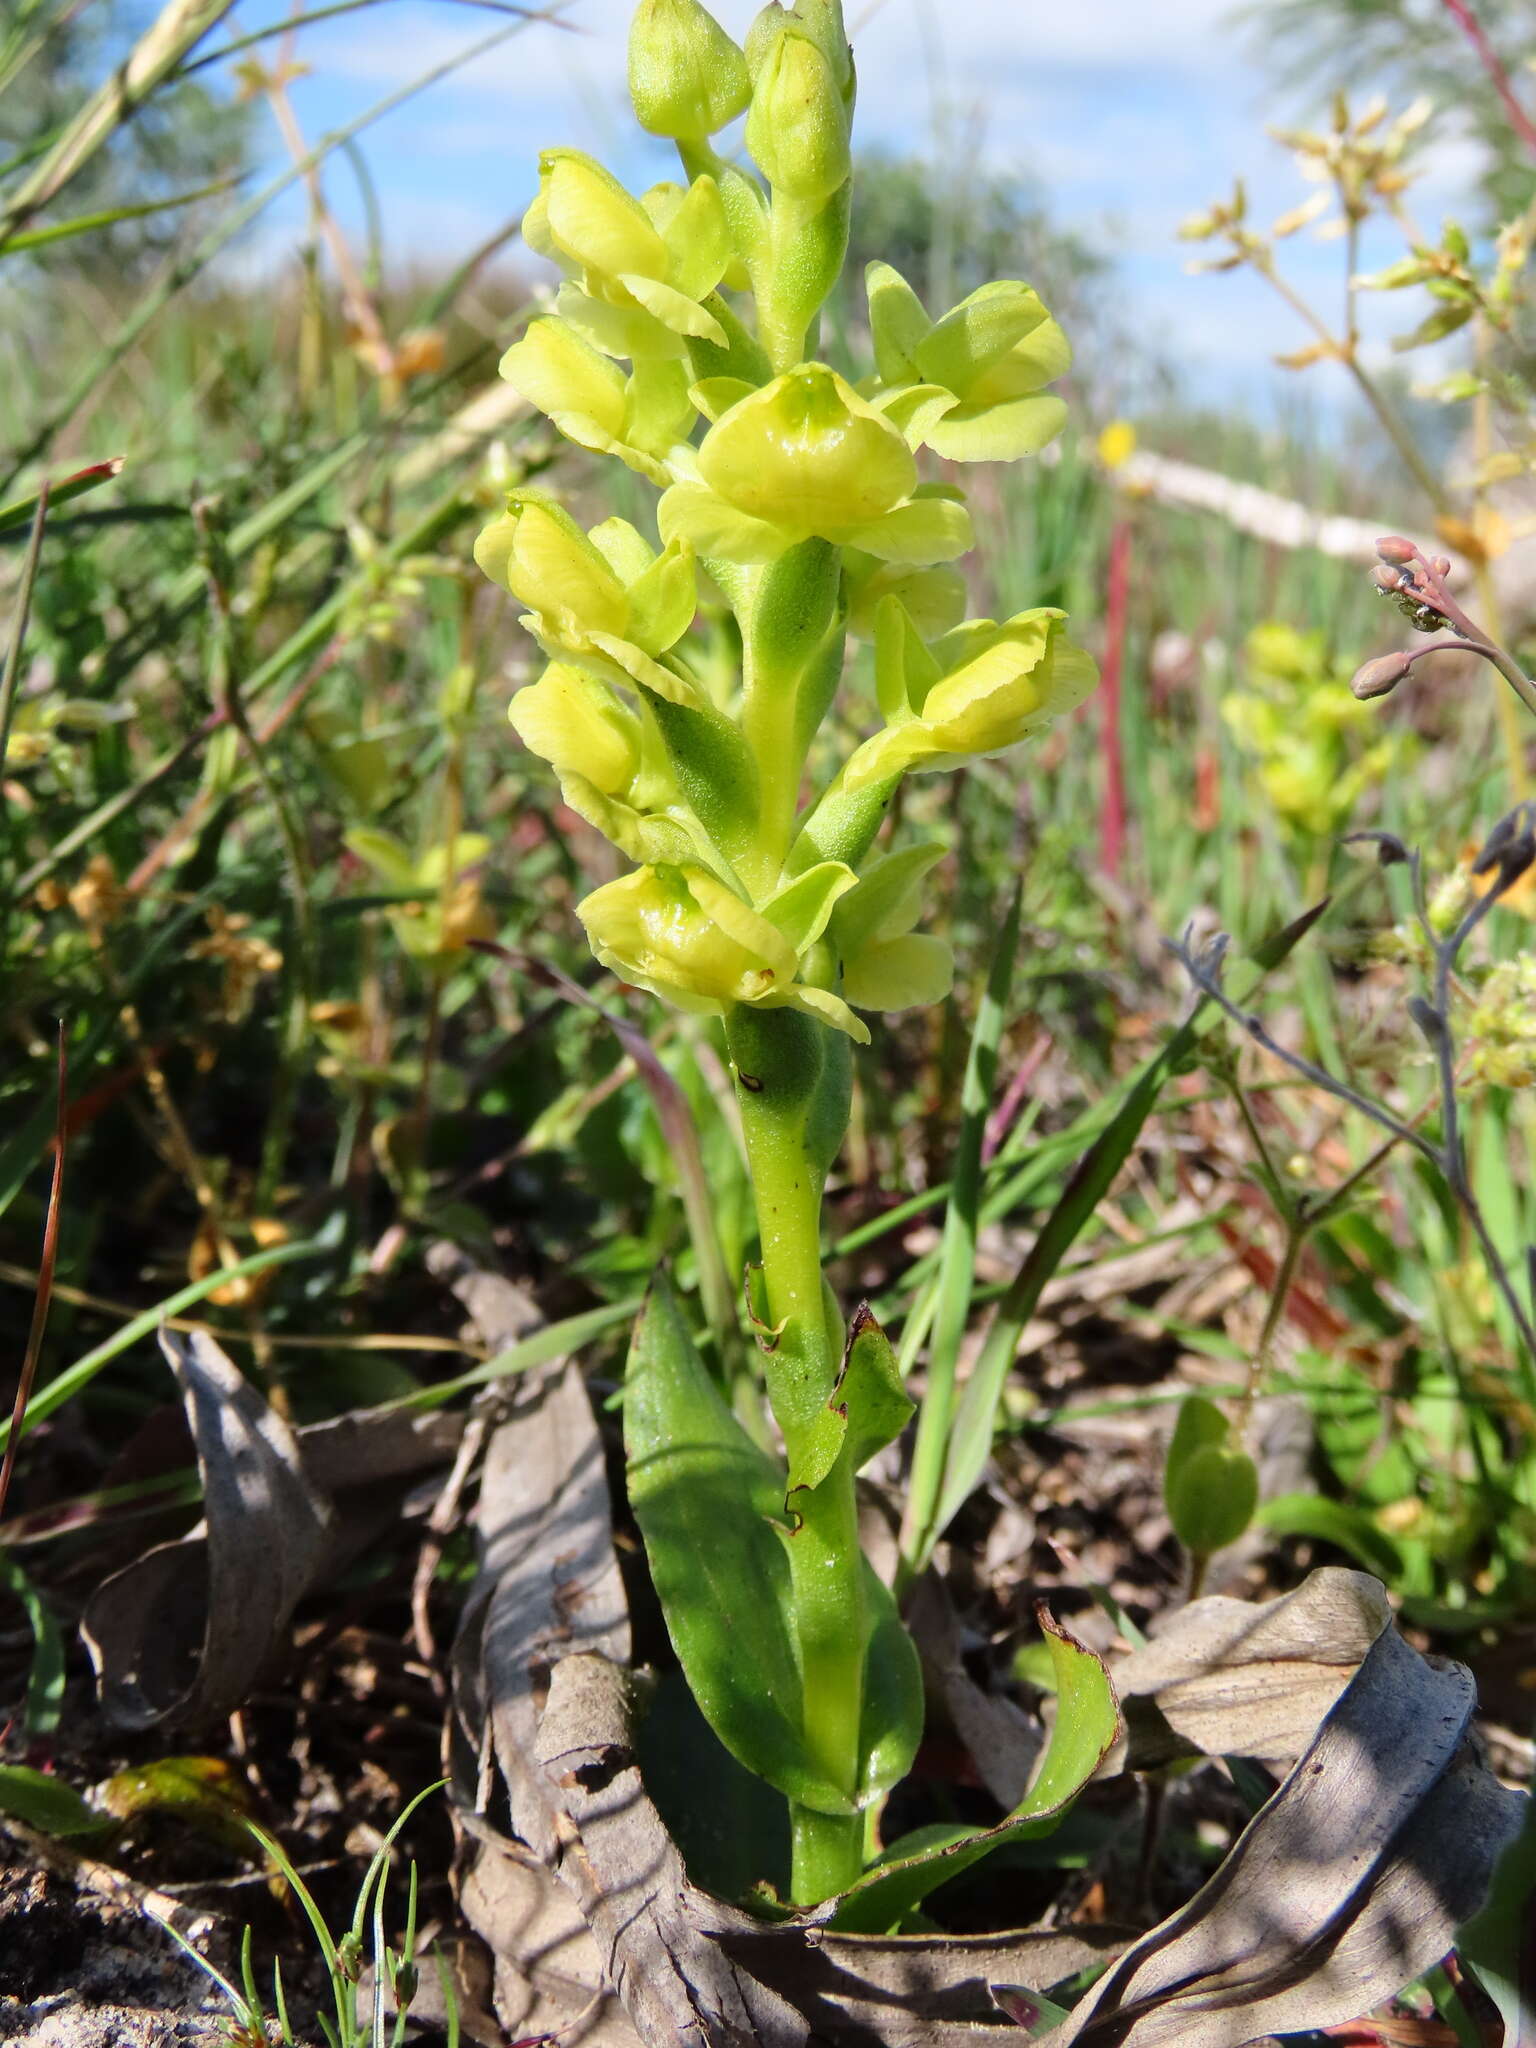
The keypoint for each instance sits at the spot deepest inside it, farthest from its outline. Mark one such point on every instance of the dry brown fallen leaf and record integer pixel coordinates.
(1350, 1882)
(181, 1633)
(1227, 1677)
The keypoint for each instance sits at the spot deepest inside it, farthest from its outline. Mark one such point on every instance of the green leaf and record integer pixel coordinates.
(384, 853)
(202, 1792)
(891, 1720)
(1209, 1489)
(1347, 1527)
(707, 1500)
(1212, 1498)
(867, 1408)
(47, 1804)
(957, 1261)
(1087, 1723)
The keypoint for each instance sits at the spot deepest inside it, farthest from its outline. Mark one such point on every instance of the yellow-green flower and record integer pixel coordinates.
(606, 597)
(807, 456)
(686, 77)
(680, 932)
(638, 268)
(639, 418)
(1294, 722)
(886, 964)
(575, 722)
(978, 690)
(610, 763)
(970, 386)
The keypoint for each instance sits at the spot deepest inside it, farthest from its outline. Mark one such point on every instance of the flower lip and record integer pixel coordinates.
(807, 452)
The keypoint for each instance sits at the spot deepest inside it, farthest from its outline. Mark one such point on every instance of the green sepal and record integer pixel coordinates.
(1087, 1724)
(905, 669)
(923, 531)
(1210, 1490)
(1001, 319)
(706, 1498)
(803, 908)
(867, 1409)
(889, 896)
(897, 323)
(997, 433)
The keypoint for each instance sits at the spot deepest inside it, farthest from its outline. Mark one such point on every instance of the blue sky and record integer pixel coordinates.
(1125, 115)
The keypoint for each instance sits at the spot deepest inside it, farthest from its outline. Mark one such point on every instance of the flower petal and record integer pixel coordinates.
(693, 512)
(674, 309)
(592, 221)
(808, 454)
(997, 433)
(907, 973)
(926, 530)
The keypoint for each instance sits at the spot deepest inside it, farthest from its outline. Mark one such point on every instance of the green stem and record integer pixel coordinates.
(824, 1848)
(793, 1086)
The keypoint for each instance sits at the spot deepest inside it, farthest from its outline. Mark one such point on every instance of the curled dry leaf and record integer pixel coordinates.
(1348, 1884)
(181, 1633)
(1228, 1678)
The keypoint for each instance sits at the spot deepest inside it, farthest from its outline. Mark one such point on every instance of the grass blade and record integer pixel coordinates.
(89, 223)
(84, 1370)
(957, 1256)
(20, 510)
(176, 29)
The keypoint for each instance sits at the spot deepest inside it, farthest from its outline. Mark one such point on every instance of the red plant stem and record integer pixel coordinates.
(1001, 1121)
(1461, 13)
(1112, 817)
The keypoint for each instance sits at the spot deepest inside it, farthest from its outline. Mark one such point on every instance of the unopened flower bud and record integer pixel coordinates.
(1389, 580)
(686, 77)
(1393, 548)
(797, 129)
(1378, 678)
(1441, 565)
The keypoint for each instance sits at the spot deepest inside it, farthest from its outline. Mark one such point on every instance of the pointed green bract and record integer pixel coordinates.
(866, 1410)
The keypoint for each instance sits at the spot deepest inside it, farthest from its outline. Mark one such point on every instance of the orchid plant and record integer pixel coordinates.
(682, 343)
